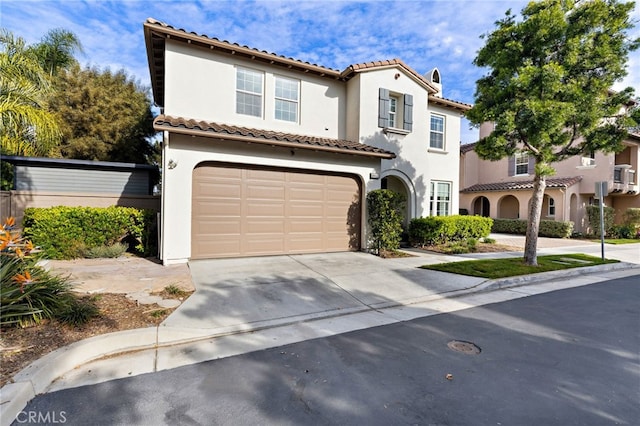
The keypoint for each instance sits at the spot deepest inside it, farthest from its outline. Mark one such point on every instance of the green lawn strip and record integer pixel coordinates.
(501, 268)
(622, 241)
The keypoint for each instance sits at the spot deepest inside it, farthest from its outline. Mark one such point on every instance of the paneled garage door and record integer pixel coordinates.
(251, 211)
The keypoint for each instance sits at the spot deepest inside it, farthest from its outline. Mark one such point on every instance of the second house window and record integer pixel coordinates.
(249, 92)
(436, 137)
(286, 107)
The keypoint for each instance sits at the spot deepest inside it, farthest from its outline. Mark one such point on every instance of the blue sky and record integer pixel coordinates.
(424, 34)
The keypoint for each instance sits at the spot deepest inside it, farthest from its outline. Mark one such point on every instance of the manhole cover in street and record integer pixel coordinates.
(464, 347)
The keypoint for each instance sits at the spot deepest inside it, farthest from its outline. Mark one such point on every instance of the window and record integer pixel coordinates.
(440, 199)
(552, 207)
(436, 137)
(249, 92)
(589, 159)
(395, 111)
(522, 163)
(286, 99)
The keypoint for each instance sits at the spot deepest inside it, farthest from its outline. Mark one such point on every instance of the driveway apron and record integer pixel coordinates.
(265, 291)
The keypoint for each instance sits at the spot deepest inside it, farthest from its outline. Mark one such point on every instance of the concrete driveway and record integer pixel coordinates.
(253, 293)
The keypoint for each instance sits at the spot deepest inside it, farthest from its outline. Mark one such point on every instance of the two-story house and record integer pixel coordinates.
(265, 155)
(503, 189)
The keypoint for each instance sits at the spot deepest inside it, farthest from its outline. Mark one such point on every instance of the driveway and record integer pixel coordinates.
(252, 293)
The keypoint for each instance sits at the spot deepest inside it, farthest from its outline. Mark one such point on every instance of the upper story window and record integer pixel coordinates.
(520, 164)
(589, 159)
(436, 136)
(287, 99)
(249, 92)
(395, 111)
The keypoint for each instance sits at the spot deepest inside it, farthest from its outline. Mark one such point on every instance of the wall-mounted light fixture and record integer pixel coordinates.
(172, 164)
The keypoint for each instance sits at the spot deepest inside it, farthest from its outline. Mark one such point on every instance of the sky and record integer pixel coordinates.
(425, 34)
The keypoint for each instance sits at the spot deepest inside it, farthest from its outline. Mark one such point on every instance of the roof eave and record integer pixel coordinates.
(271, 142)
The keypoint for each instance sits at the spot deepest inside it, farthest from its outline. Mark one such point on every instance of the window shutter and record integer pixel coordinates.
(408, 112)
(512, 165)
(383, 108)
(532, 165)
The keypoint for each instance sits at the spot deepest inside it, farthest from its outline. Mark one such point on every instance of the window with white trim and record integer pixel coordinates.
(440, 198)
(589, 159)
(286, 99)
(249, 92)
(395, 111)
(522, 163)
(436, 136)
(552, 207)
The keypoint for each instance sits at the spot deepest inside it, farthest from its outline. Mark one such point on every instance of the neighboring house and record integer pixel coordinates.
(264, 154)
(503, 189)
(48, 182)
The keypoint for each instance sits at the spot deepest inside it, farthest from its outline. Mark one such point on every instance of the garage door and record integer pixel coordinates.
(252, 211)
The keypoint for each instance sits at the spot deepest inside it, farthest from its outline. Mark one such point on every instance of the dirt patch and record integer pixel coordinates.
(21, 346)
(479, 248)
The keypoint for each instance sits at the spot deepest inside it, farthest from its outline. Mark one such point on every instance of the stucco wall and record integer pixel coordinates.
(202, 85)
(415, 160)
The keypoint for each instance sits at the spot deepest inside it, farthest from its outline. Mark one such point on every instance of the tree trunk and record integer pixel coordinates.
(533, 225)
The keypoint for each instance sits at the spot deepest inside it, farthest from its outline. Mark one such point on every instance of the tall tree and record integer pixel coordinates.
(26, 125)
(56, 50)
(548, 87)
(104, 116)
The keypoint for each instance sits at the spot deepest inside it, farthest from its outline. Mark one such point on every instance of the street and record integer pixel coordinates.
(569, 357)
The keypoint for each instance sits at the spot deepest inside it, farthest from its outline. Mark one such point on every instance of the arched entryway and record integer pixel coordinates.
(396, 184)
(481, 207)
(508, 207)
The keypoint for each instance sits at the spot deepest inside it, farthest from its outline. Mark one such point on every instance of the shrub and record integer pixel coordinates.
(78, 313)
(593, 215)
(385, 219)
(547, 228)
(68, 232)
(622, 231)
(114, 250)
(631, 218)
(442, 229)
(28, 293)
(488, 240)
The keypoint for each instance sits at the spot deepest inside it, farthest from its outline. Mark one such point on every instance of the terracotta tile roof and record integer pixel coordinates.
(228, 132)
(464, 148)
(522, 185)
(450, 103)
(156, 33)
(352, 69)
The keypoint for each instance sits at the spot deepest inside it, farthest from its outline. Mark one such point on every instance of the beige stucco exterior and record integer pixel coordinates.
(618, 170)
(195, 77)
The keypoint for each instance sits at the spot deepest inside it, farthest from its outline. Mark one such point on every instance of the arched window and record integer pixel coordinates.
(435, 76)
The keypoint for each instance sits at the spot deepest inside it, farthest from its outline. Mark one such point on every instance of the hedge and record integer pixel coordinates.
(548, 228)
(66, 232)
(444, 229)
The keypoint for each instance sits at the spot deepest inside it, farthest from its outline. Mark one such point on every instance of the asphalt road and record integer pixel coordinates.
(569, 357)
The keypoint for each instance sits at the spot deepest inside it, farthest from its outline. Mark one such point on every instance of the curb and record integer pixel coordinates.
(39, 375)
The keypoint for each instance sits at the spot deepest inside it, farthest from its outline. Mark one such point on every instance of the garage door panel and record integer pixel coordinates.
(258, 211)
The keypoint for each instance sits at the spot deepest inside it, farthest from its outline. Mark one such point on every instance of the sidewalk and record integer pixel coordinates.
(245, 305)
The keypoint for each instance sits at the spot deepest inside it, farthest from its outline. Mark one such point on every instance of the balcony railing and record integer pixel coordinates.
(624, 180)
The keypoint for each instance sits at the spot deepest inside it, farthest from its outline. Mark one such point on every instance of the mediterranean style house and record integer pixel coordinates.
(503, 189)
(266, 155)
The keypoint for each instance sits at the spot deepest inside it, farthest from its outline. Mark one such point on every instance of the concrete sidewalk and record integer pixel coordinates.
(243, 305)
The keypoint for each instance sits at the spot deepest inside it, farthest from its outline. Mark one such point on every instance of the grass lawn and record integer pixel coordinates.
(621, 240)
(501, 268)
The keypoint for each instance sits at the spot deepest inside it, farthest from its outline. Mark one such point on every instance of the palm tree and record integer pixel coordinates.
(26, 126)
(56, 50)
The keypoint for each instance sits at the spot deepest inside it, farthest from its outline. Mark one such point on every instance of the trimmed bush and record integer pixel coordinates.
(444, 229)
(548, 228)
(385, 219)
(112, 251)
(67, 232)
(593, 214)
